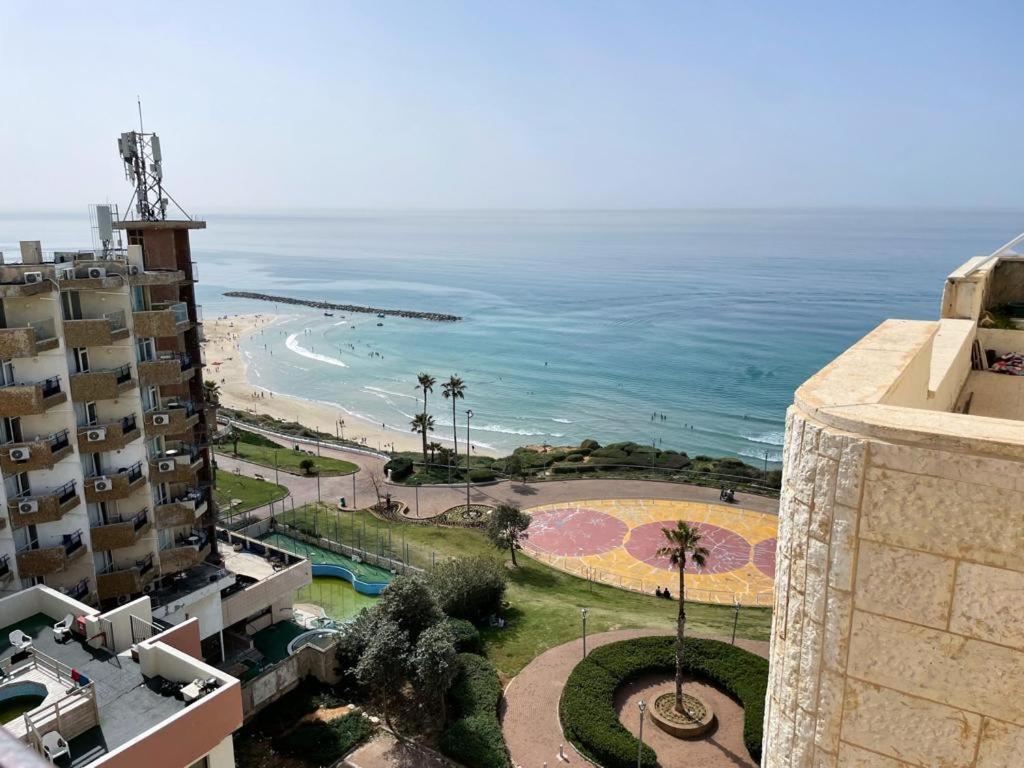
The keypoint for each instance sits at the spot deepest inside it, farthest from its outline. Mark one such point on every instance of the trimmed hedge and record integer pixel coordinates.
(474, 738)
(400, 468)
(587, 706)
(323, 743)
(467, 637)
(573, 469)
(481, 475)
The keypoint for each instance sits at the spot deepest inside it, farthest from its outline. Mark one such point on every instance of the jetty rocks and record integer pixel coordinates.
(437, 317)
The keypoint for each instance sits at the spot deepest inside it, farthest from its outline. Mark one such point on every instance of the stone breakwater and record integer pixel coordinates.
(436, 317)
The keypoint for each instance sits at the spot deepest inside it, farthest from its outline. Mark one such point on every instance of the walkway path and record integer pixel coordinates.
(529, 709)
(430, 501)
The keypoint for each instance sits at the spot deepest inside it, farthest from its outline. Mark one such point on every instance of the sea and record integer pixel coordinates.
(684, 329)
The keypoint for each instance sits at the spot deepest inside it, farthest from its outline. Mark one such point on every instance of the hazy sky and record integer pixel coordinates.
(517, 104)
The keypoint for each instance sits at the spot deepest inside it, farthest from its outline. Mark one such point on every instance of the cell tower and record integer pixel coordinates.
(143, 167)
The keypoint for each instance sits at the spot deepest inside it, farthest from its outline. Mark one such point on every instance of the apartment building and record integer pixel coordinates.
(898, 631)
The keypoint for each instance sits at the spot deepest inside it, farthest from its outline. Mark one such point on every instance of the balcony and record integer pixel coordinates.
(186, 552)
(78, 591)
(111, 436)
(5, 566)
(157, 277)
(115, 486)
(168, 319)
(108, 384)
(31, 399)
(171, 418)
(178, 464)
(120, 532)
(36, 561)
(183, 510)
(96, 332)
(41, 453)
(118, 580)
(88, 274)
(15, 282)
(48, 507)
(170, 368)
(29, 340)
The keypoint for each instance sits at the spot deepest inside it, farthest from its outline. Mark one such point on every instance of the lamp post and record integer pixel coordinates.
(276, 479)
(735, 619)
(766, 467)
(341, 424)
(583, 613)
(469, 415)
(642, 706)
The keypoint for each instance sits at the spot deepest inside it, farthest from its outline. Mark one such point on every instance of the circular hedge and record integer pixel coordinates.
(587, 707)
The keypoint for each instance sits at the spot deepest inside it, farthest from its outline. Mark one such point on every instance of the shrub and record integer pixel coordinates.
(574, 458)
(587, 707)
(572, 469)
(609, 453)
(481, 475)
(469, 588)
(474, 738)
(253, 438)
(673, 461)
(467, 637)
(324, 743)
(400, 468)
(590, 445)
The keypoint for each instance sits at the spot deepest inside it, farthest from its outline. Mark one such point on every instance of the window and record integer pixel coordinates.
(71, 305)
(6, 372)
(81, 359)
(10, 429)
(145, 350)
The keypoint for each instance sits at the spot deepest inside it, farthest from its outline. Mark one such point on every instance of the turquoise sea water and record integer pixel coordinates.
(577, 324)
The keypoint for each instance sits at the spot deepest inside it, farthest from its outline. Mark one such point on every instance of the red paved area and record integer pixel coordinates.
(764, 557)
(576, 531)
(529, 709)
(727, 551)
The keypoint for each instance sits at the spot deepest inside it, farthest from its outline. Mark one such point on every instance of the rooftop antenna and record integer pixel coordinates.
(143, 167)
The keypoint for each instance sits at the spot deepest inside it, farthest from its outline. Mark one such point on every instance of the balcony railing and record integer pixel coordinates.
(59, 440)
(66, 492)
(117, 320)
(72, 542)
(77, 592)
(45, 329)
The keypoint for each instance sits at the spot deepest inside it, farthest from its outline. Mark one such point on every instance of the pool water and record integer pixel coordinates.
(16, 706)
(363, 571)
(336, 596)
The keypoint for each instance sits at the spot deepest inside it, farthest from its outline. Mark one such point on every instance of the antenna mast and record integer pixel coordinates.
(143, 167)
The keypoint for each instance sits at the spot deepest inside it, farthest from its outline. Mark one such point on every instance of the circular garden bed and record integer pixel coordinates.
(475, 516)
(587, 707)
(695, 719)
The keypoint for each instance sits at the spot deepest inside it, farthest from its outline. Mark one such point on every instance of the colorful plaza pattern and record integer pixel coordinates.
(616, 542)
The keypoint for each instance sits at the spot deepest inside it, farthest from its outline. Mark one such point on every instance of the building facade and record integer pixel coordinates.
(898, 632)
(104, 421)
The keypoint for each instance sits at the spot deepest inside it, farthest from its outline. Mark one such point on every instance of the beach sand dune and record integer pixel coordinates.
(226, 365)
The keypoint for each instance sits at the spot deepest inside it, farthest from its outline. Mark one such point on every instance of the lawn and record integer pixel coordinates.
(287, 460)
(545, 603)
(252, 493)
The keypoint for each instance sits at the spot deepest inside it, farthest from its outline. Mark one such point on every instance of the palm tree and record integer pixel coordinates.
(426, 383)
(212, 390)
(682, 541)
(422, 423)
(453, 389)
(434, 447)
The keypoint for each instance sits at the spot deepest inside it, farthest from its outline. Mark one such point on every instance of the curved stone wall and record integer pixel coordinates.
(898, 632)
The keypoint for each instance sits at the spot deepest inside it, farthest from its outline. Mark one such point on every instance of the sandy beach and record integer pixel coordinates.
(226, 364)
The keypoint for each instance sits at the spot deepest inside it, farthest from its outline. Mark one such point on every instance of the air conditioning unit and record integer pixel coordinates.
(97, 272)
(161, 419)
(67, 273)
(101, 484)
(134, 269)
(165, 465)
(148, 588)
(28, 507)
(97, 435)
(33, 277)
(20, 454)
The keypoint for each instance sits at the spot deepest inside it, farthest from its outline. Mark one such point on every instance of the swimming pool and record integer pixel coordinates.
(365, 578)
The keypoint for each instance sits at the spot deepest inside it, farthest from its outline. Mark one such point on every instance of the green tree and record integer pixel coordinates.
(211, 389)
(434, 448)
(384, 664)
(409, 604)
(434, 662)
(507, 528)
(683, 542)
(306, 465)
(426, 383)
(422, 424)
(454, 389)
(470, 588)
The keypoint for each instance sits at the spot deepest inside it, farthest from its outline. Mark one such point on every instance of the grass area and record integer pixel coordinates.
(252, 492)
(545, 603)
(287, 460)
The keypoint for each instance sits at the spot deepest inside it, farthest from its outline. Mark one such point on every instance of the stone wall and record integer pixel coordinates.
(898, 633)
(17, 342)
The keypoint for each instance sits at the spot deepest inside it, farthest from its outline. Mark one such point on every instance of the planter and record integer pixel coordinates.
(676, 724)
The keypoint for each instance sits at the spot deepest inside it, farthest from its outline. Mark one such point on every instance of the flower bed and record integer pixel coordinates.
(587, 707)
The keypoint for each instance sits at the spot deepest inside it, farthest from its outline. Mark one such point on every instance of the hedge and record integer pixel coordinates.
(482, 475)
(467, 637)
(323, 743)
(400, 468)
(572, 469)
(587, 706)
(474, 738)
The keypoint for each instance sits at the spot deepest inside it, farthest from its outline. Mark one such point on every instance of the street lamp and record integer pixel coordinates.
(642, 706)
(583, 613)
(735, 618)
(469, 415)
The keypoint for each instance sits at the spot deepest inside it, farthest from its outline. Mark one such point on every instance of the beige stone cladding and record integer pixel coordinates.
(898, 634)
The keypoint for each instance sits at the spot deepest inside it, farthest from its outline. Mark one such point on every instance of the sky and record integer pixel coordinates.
(492, 104)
